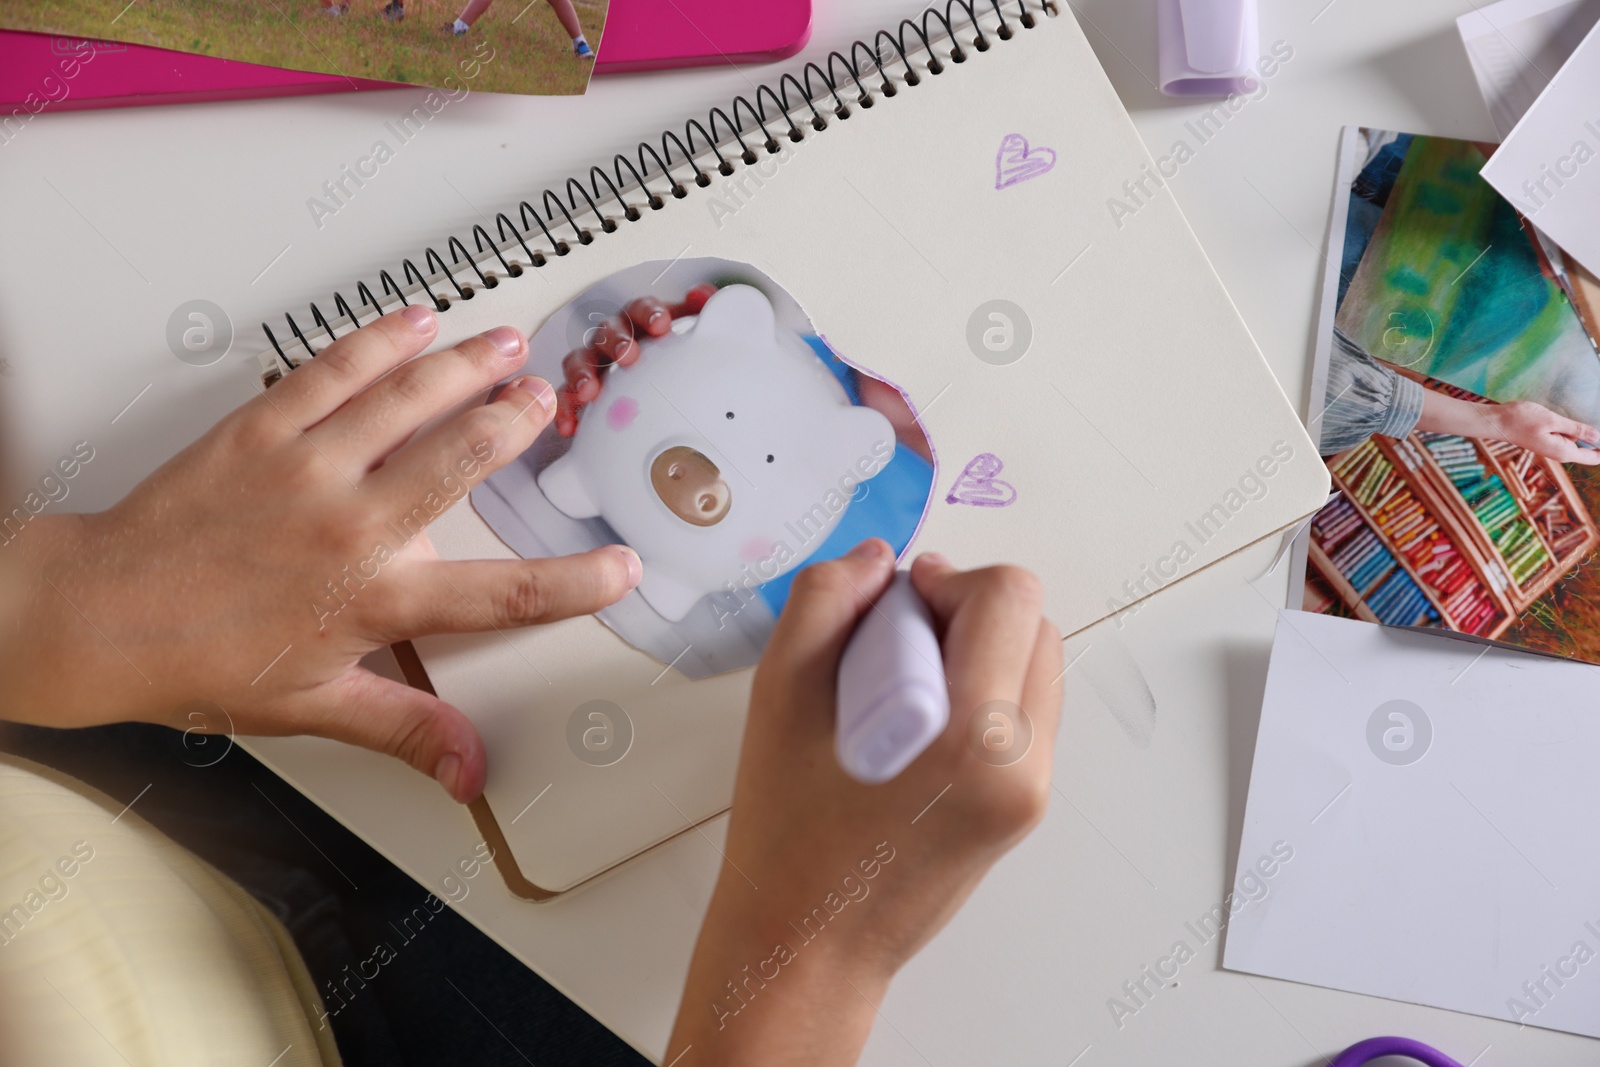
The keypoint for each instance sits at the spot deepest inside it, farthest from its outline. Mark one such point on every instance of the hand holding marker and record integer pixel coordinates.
(893, 698)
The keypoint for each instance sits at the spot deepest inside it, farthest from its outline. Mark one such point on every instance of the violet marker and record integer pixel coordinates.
(893, 699)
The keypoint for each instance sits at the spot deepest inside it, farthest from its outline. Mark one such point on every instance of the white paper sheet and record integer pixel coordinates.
(1549, 165)
(1439, 798)
(1515, 47)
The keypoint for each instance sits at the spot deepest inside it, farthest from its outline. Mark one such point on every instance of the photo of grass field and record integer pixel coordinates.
(517, 46)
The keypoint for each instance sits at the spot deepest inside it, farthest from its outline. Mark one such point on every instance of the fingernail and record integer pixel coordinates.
(635, 565)
(938, 559)
(540, 389)
(505, 339)
(448, 772)
(868, 550)
(421, 318)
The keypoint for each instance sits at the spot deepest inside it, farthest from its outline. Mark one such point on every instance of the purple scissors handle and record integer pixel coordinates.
(1377, 1047)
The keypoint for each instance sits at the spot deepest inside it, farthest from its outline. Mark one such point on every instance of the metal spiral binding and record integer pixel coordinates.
(434, 280)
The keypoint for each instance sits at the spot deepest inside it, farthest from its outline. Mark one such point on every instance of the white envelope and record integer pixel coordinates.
(1549, 165)
(1440, 799)
(1515, 47)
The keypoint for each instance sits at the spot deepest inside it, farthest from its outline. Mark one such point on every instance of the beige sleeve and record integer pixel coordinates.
(117, 947)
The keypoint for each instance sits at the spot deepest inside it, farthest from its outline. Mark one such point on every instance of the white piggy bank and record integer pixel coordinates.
(724, 456)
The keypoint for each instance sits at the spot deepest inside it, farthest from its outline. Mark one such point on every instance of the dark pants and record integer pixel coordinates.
(443, 993)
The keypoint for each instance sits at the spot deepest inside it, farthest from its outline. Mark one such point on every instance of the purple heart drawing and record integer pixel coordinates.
(1018, 161)
(978, 487)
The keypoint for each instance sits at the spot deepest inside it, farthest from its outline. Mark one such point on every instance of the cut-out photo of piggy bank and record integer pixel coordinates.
(724, 455)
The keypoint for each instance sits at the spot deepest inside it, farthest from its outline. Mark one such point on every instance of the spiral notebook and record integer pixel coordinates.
(985, 346)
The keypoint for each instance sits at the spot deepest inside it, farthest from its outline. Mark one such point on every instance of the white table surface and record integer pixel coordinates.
(110, 220)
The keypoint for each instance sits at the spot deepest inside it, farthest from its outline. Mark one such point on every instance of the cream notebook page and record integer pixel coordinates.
(1142, 435)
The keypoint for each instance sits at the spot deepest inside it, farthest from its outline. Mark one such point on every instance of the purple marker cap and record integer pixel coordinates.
(893, 701)
(1208, 47)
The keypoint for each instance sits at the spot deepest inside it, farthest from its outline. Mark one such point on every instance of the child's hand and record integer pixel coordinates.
(260, 564)
(616, 342)
(1538, 429)
(830, 885)
(1521, 422)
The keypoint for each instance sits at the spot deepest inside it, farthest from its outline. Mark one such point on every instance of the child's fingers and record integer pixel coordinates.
(582, 373)
(317, 389)
(650, 317)
(1043, 687)
(825, 603)
(360, 708)
(694, 301)
(421, 480)
(1571, 453)
(567, 408)
(989, 622)
(479, 595)
(1018, 780)
(373, 424)
(1579, 431)
(614, 343)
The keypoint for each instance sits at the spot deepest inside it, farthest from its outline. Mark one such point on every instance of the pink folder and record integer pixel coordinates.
(40, 72)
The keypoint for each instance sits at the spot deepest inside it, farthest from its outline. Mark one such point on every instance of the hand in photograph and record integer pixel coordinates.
(617, 343)
(830, 886)
(1366, 396)
(256, 568)
(1521, 422)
